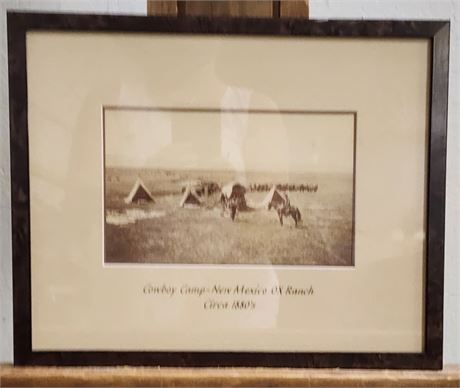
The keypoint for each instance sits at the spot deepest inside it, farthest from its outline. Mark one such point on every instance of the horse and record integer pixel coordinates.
(287, 210)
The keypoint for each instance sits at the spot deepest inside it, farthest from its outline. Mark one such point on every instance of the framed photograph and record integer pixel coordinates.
(227, 192)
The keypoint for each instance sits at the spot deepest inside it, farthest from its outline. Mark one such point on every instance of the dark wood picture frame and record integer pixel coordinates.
(436, 31)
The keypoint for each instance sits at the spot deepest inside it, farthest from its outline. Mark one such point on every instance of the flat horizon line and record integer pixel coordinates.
(224, 170)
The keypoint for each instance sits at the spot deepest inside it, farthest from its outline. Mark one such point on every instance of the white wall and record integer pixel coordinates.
(320, 9)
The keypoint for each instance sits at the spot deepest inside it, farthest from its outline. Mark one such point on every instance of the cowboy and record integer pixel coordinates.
(287, 202)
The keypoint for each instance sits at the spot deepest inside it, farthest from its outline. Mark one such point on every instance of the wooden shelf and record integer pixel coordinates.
(236, 377)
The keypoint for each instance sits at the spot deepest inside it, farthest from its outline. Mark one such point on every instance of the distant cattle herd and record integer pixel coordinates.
(212, 187)
(310, 188)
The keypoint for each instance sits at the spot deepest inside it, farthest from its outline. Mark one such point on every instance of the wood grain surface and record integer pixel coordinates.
(234, 8)
(261, 8)
(294, 9)
(162, 7)
(236, 377)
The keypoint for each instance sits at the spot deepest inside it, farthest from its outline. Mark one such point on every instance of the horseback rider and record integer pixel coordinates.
(285, 209)
(287, 202)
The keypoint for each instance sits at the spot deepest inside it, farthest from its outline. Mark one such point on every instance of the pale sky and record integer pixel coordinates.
(230, 141)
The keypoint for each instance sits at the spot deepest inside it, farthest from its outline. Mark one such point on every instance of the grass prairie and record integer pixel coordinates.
(163, 232)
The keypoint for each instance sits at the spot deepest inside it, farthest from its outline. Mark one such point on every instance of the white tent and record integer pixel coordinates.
(233, 189)
(139, 193)
(190, 197)
(273, 198)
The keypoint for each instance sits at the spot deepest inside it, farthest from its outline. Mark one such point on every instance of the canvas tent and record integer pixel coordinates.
(139, 193)
(235, 190)
(273, 198)
(190, 198)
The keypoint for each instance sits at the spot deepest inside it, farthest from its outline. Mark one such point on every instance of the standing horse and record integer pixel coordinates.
(286, 210)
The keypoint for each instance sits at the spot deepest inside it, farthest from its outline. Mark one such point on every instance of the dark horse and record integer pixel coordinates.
(287, 210)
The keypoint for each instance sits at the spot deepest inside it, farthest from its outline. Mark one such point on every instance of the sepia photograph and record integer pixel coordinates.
(211, 186)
